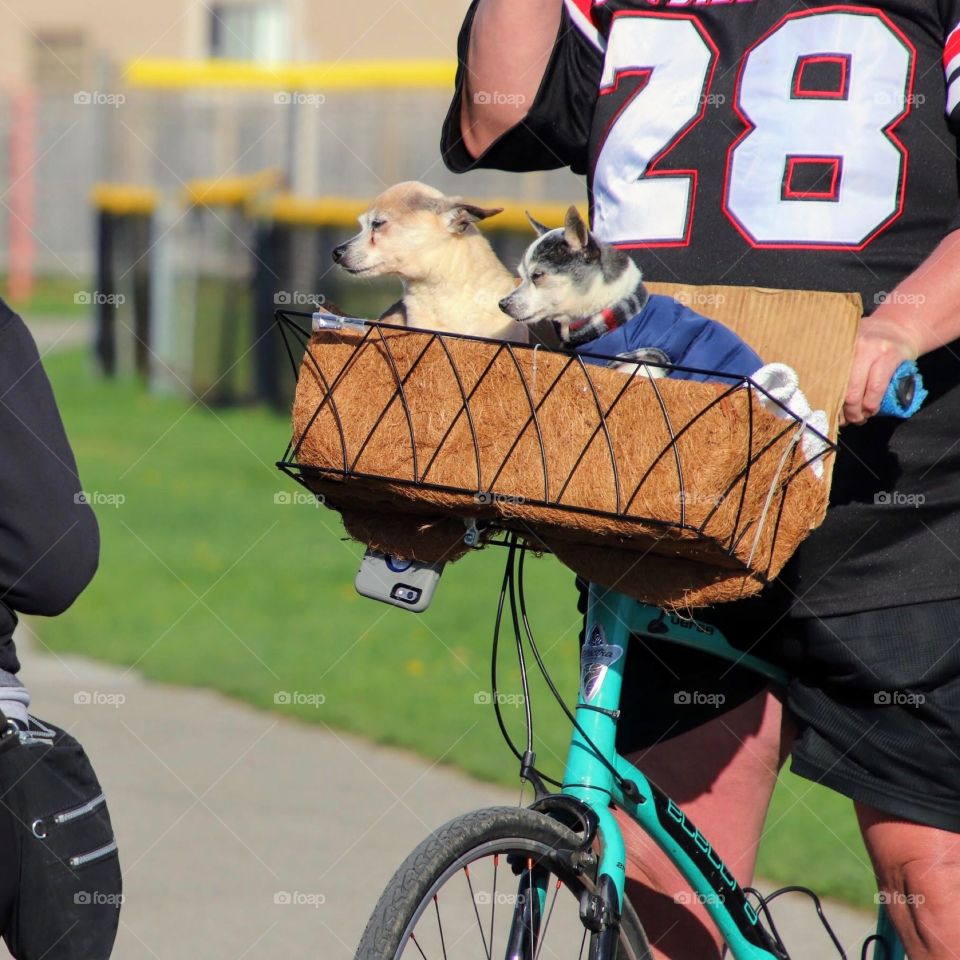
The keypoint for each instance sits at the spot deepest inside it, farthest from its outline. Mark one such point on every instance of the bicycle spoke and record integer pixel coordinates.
(583, 943)
(543, 931)
(476, 910)
(443, 946)
(493, 905)
(413, 937)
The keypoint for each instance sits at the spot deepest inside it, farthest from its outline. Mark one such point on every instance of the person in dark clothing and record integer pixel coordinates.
(49, 539)
(59, 870)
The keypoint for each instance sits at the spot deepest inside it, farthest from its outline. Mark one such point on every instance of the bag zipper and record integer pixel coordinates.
(37, 732)
(103, 851)
(65, 816)
(80, 811)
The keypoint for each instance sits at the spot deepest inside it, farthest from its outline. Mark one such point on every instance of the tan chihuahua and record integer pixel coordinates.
(452, 279)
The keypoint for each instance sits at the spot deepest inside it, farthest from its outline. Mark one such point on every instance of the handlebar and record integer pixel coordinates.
(905, 393)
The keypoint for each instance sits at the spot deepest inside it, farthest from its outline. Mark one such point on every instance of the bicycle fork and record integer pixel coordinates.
(524, 938)
(528, 914)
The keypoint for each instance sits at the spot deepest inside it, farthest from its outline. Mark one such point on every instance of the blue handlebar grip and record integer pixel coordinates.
(905, 393)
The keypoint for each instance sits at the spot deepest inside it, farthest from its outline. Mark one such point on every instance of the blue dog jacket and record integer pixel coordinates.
(686, 337)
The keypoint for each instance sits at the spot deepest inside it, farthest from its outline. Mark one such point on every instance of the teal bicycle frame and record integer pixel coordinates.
(611, 620)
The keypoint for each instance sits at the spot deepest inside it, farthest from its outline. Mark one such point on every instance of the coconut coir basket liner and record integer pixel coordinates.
(678, 493)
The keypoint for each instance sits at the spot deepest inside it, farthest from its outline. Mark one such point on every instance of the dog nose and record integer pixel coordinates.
(338, 253)
(504, 304)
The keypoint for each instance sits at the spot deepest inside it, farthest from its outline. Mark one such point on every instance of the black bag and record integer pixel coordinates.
(67, 905)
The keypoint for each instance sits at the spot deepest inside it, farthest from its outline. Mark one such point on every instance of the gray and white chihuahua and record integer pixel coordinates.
(584, 286)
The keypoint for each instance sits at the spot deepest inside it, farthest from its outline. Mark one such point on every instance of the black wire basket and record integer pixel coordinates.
(679, 492)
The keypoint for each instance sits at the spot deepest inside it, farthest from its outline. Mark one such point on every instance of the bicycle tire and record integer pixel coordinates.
(441, 855)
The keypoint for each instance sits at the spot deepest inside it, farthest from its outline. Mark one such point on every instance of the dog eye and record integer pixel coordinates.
(536, 276)
(377, 224)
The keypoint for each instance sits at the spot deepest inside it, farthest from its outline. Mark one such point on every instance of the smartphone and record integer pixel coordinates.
(407, 584)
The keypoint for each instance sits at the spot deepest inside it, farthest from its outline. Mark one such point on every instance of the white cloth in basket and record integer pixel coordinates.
(781, 382)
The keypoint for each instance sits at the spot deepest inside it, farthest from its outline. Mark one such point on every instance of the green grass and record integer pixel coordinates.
(206, 580)
(811, 837)
(220, 342)
(53, 296)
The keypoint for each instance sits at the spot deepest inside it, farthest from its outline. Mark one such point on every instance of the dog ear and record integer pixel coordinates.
(461, 215)
(537, 225)
(575, 231)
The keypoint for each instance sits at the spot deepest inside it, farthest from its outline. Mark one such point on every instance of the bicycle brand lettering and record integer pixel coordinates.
(703, 628)
(680, 818)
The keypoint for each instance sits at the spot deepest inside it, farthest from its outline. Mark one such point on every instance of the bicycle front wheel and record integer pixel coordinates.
(488, 884)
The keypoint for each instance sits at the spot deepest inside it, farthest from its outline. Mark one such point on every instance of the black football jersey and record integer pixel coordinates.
(761, 143)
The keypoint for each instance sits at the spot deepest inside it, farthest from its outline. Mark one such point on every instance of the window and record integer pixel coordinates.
(250, 31)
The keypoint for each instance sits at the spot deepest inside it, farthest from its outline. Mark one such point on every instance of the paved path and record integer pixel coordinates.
(219, 808)
(58, 333)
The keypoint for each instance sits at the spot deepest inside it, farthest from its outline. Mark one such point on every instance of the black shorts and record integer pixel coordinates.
(876, 696)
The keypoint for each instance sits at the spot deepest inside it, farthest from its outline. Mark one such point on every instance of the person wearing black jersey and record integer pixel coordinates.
(810, 147)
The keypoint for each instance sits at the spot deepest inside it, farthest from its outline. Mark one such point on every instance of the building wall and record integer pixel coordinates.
(415, 28)
(77, 43)
(109, 29)
(55, 54)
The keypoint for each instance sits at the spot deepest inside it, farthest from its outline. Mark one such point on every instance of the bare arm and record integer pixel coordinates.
(919, 315)
(510, 46)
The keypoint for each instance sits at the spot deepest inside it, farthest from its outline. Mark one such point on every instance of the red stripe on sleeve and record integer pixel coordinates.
(586, 8)
(952, 47)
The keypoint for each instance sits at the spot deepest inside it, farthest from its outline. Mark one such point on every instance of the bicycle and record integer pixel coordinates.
(568, 840)
(571, 839)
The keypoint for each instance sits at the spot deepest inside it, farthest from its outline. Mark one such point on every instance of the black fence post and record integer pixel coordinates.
(271, 277)
(141, 227)
(105, 343)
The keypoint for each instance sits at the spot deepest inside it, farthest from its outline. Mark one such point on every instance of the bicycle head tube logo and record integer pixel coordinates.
(591, 679)
(596, 658)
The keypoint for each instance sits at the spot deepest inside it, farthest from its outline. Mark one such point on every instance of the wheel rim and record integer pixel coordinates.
(486, 905)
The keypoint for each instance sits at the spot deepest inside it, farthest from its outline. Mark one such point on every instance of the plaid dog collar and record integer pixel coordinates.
(589, 328)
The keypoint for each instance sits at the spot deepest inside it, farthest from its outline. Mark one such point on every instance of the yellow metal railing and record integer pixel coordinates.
(123, 199)
(262, 197)
(232, 191)
(343, 212)
(241, 74)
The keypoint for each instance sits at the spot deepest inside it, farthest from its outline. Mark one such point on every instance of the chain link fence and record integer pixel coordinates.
(347, 143)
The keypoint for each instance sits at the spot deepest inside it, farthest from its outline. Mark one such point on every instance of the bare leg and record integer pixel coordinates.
(722, 774)
(918, 875)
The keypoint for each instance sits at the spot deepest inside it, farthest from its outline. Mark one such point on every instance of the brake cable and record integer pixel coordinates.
(514, 583)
